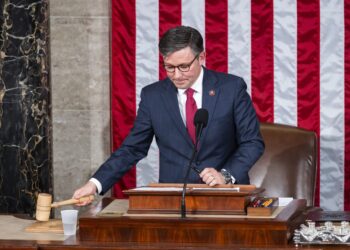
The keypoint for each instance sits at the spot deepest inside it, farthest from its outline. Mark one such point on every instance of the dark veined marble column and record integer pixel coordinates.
(25, 124)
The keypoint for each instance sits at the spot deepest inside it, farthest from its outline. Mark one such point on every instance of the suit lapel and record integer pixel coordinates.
(171, 103)
(211, 94)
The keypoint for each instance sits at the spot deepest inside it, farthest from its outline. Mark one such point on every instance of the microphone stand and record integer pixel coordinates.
(194, 154)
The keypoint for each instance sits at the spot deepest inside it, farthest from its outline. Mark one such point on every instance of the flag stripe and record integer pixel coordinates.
(239, 42)
(262, 59)
(308, 73)
(169, 17)
(147, 71)
(347, 103)
(332, 109)
(285, 90)
(193, 14)
(123, 96)
(216, 34)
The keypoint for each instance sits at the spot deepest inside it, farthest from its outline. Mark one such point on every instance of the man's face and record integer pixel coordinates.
(183, 59)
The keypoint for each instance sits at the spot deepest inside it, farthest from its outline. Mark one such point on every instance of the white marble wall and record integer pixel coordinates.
(79, 37)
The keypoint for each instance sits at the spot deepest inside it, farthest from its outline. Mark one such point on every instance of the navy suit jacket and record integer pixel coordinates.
(231, 139)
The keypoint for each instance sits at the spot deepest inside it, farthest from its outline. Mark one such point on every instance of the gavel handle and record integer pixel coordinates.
(72, 201)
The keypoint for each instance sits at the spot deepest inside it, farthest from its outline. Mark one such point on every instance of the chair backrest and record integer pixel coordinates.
(288, 166)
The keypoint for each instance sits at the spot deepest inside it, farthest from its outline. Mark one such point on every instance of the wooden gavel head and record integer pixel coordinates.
(43, 207)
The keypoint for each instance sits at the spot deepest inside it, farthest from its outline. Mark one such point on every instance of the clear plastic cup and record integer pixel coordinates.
(69, 221)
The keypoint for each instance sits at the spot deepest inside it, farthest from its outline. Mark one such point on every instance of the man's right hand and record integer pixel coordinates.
(88, 189)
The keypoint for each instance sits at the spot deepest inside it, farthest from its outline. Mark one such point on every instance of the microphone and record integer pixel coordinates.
(200, 121)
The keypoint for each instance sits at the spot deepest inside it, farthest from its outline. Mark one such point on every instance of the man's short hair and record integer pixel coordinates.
(179, 38)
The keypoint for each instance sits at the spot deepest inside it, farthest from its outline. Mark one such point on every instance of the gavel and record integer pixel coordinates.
(43, 205)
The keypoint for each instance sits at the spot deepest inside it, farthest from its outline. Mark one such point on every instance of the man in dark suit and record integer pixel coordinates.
(230, 144)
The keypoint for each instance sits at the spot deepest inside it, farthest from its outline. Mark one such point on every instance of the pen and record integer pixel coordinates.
(196, 169)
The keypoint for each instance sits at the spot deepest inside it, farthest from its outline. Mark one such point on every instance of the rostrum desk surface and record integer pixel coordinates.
(148, 240)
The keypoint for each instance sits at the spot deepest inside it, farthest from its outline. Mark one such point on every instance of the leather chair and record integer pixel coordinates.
(288, 166)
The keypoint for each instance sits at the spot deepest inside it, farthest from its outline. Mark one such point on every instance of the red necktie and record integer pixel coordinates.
(191, 109)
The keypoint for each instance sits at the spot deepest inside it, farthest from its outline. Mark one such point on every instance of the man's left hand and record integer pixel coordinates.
(212, 177)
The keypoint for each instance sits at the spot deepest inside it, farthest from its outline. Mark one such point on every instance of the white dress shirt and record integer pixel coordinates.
(197, 86)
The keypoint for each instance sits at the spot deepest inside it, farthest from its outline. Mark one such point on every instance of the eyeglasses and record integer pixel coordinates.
(182, 67)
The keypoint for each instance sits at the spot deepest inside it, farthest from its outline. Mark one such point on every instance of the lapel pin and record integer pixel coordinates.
(212, 92)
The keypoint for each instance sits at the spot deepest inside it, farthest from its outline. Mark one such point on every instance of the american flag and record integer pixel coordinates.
(293, 54)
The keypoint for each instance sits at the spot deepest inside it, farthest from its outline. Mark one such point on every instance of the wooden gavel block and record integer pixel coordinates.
(43, 205)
